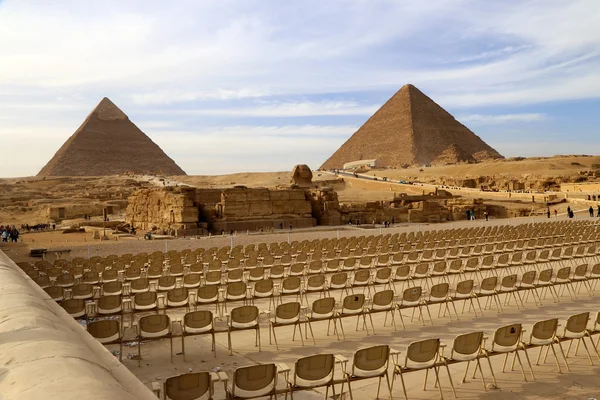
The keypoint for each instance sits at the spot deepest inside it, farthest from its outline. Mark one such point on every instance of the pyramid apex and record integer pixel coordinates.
(108, 111)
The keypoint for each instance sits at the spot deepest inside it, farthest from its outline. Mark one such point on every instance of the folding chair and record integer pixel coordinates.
(368, 363)
(576, 329)
(421, 355)
(354, 305)
(243, 318)
(286, 314)
(321, 310)
(195, 323)
(508, 340)
(440, 294)
(340, 282)
(312, 372)
(488, 289)
(412, 298)
(253, 382)
(464, 291)
(384, 302)
(190, 386)
(153, 327)
(107, 331)
(543, 334)
(468, 347)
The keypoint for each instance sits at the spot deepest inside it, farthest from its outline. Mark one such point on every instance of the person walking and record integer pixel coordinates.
(591, 211)
(468, 215)
(555, 213)
(487, 215)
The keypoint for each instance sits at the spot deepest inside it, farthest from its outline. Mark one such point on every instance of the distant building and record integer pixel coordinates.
(514, 186)
(361, 163)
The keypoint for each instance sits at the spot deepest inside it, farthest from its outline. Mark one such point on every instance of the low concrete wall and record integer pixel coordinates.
(45, 354)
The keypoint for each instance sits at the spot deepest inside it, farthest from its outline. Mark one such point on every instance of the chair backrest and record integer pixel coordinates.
(563, 273)
(291, 283)
(580, 271)
(208, 293)
(254, 381)
(109, 304)
(544, 331)
(577, 323)
(412, 294)
(264, 286)
(507, 336)
(198, 319)
(55, 292)
(314, 370)
(323, 306)
(468, 344)
(509, 281)
(75, 307)
(287, 312)
(465, 287)
(362, 275)
(423, 353)
(152, 325)
(166, 282)
(384, 298)
(353, 302)
(341, 278)
(140, 284)
(371, 360)
(177, 295)
(236, 289)
(439, 291)
(106, 330)
(528, 277)
(489, 283)
(244, 314)
(189, 386)
(145, 299)
(546, 275)
(315, 282)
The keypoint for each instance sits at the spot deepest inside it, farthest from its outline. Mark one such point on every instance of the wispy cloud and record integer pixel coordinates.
(480, 119)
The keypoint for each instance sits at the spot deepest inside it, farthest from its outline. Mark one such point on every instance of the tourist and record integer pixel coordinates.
(393, 220)
(598, 215)
(472, 215)
(487, 215)
(555, 213)
(5, 235)
(548, 212)
(290, 226)
(591, 211)
(281, 226)
(468, 215)
(569, 210)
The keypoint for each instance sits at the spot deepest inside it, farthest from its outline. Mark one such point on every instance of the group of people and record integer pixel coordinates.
(9, 233)
(38, 227)
(592, 211)
(470, 215)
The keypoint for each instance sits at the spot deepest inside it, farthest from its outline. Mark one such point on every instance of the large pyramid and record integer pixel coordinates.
(411, 129)
(108, 143)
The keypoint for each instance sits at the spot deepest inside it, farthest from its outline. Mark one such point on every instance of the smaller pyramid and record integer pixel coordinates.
(410, 129)
(108, 143)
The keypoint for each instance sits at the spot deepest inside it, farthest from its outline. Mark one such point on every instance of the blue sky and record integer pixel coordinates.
(260, 85)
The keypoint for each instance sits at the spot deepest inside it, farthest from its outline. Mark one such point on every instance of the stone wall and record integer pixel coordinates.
(167, 208)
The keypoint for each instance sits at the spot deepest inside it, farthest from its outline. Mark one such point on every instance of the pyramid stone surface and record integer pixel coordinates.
(108, 143)
(410, 129)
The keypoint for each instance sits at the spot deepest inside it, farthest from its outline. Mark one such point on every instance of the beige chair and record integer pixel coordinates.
(421, 355)
(354, 305)
(508, 286)
(190, 386)
(368, 363)
(146, 301)
(110, 305)
(383, 301)
(362, 278)
(527, 285)
(139, 285)
(468, 347)
(544, 282)
(291, 286)
(507, 339)
(464, 291)
(208, 295)
(253, 382)
(595, 330)
(153, 327)
(57, 293)
(576, 329)
(440, 294)
(177, 298)
(65, 280)
(75, 308)
(192, 280)
(312, 372)
(488, 289)
(264, 289)
(196, 323)
(286, 314)
(107, 331)
(83, 291)
(315, 284)
(166, 283)
(235, 291)
(322, 310)
(402, 274)
(543, 334)
(412, 298)
(243, 318)
(256, 274)
(339, 282)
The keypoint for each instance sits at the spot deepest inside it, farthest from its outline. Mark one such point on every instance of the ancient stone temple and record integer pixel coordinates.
(108, 143)
(411, 129)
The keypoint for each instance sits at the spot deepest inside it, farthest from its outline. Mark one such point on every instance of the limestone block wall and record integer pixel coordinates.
(163, 208)
(246, 204)
(46, 355)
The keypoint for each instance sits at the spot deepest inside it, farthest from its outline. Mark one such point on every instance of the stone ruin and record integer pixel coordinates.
(200, 211)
